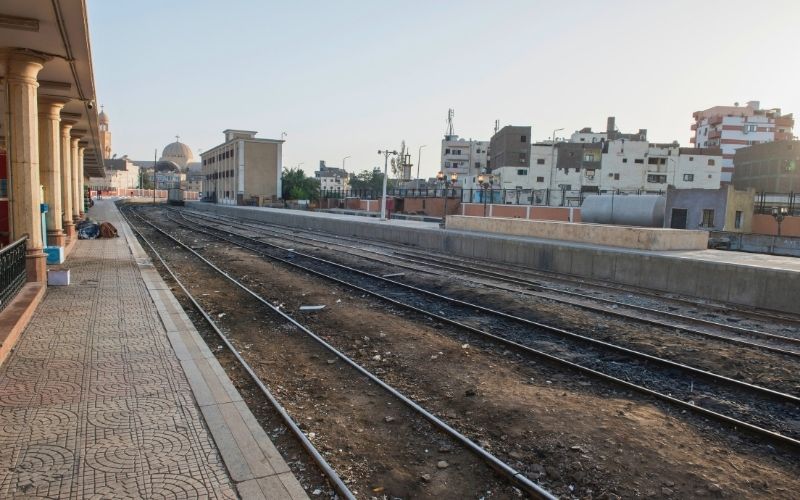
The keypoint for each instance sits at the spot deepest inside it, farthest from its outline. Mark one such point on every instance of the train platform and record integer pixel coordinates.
(751, 280)
(110, 392)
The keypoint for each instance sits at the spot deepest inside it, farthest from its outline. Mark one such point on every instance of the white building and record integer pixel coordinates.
(618, 165)
(586, 135)
(643, 166)
(242, 170)
(119, 174)
(733, 127)
(463, 156)
(331, 178)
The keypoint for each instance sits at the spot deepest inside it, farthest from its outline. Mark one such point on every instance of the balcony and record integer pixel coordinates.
(714, 134)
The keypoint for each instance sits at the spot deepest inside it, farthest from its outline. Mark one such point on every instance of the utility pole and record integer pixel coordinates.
(385, 154)
(419, 160)
(553, 161)
(155, 184)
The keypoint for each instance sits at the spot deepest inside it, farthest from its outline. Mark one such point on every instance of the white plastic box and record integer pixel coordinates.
(57, 277)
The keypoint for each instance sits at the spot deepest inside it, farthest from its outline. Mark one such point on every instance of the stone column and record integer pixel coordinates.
(22, 139)
(66, 178)
(81, 149)
(50, 165)
(77, 183)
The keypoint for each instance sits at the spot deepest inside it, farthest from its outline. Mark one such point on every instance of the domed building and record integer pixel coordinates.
(178, 153)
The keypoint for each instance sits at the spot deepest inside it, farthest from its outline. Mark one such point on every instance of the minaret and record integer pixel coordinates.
(105, 134)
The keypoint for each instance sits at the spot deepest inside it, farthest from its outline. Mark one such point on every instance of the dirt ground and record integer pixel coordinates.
(581, 437)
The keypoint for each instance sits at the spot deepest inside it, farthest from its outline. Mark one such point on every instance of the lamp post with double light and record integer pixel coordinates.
(484, 185)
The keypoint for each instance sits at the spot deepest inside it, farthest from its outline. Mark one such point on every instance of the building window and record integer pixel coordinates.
(540, 161)
(522, 157)
(522, 171)
(708, 218)
(688, 177)
(616, 177)
(737, 223)
(447, 151)
(523, 138)
(656, 179)
(624, 160)
(711, 161)
(691, 158)
(640, 161)
(589, 174)
(750, 128)
(588, 157)
(540, 179)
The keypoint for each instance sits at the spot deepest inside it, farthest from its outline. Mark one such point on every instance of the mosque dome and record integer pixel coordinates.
(103, 117)
(179, 153)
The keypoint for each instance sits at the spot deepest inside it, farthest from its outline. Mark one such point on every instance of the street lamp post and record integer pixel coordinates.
(385, 154)
(552, 163)
(343, 160)
(779, 214)
(442, 177)
(483, 185)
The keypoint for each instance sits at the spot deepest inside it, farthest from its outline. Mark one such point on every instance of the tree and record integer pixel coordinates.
(296, 186)
(370, 180)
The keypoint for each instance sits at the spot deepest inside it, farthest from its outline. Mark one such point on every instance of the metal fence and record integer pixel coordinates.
(764, 203)
(541, 197)
(12, 271)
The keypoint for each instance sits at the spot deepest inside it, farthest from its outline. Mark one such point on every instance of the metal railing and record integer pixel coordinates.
(540, 197)
(790, 201)
(12, 271)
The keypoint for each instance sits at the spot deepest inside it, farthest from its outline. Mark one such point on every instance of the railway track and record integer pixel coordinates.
(733, 334)
(531, 278)
(759, 410)
(505, 471)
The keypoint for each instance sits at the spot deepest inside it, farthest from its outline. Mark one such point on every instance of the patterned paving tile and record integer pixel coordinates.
(94, 403)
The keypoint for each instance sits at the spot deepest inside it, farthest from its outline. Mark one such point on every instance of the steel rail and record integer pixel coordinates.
(572, 279)
(736, 423)
(331, 474)
(505, 470)
(521, 282)
(559, 331)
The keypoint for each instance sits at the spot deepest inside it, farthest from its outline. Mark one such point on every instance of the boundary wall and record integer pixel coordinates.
(745, 279)
(642, 238)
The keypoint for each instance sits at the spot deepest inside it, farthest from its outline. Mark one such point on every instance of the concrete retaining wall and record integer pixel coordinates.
(704, 274)
(642, 238)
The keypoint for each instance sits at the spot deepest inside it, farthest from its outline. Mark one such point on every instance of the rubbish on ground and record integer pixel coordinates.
(312, 308)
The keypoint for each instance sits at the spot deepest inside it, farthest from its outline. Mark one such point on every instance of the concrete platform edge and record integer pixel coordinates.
(253, 463)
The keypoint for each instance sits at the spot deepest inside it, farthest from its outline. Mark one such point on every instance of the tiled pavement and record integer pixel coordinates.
(95, 401)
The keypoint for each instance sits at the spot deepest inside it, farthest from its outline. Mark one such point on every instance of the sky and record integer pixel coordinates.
(349, 78)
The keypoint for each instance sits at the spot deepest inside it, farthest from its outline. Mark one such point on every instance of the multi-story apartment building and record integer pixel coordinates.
(463, 156)
(617, 165)
(510, 147)
(768, 168)
(243, 169)
(331, 178)
(734, 127)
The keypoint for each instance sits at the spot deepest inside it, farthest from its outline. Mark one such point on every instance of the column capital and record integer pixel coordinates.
(66, 125)
(50, 106)
(22, 64)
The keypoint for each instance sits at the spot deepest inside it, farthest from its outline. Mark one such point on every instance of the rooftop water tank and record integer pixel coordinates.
(646, 210)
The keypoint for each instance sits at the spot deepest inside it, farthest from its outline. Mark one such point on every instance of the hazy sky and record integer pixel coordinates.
(349, 78)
